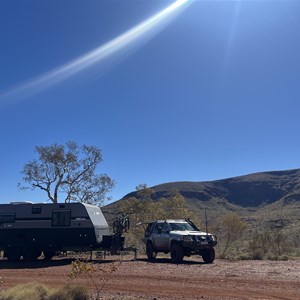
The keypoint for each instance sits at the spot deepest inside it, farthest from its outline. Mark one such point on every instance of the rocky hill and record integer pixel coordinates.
(252, 190)
(264, 200)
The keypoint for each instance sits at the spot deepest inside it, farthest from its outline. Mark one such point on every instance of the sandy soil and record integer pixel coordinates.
(161, 279)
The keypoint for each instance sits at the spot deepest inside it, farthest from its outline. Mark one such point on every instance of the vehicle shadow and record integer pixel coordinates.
(4, 264)
(163, 260)
(42, 263)
(59, 262)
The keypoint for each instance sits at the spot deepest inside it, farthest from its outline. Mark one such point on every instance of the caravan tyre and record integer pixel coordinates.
(31, 254)
(48, 254)
(13, 254)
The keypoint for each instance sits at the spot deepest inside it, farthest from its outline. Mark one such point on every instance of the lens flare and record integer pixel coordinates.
(91, 58)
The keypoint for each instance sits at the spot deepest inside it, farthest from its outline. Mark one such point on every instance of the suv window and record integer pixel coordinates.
(181, 226)
(158, 228)
(148, 229)
(166, 227)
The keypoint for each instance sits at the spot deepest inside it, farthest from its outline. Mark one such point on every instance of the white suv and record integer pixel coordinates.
(179, 237)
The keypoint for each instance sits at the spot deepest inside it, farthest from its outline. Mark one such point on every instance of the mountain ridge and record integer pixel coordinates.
(251, 190)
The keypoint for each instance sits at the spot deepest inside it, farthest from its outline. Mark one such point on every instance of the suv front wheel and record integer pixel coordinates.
(209, 255)
(177, 253)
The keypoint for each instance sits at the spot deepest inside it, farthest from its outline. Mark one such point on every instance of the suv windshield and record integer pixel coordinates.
(181, 226)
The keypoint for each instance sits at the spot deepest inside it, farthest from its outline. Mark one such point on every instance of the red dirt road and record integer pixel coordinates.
(161, 279)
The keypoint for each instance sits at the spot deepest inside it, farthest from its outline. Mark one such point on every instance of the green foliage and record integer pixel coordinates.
(81, 268)
(144, 209)
(270, 244)
(230, 229)
(35, 291)
(67, 170)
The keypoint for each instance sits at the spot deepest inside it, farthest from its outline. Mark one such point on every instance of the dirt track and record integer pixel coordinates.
(163, 280)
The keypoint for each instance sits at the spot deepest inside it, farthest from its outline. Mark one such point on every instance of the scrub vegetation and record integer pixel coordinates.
(254, 216)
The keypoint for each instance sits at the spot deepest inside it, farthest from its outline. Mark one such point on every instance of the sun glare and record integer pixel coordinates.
(91, 58)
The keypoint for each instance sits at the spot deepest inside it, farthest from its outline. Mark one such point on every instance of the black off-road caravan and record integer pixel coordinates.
(27, 230)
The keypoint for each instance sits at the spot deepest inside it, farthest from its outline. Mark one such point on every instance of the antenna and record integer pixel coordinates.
(206, 221)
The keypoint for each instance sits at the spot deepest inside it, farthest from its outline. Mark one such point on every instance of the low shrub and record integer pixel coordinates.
(34, 291)
(277, 258)
(245, 257)
(30, 291)
(70, 292)
(258, 254)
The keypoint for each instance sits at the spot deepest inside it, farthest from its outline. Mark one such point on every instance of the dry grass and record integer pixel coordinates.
(41, 292)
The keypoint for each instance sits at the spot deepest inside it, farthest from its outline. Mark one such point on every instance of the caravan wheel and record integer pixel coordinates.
(13, 254)
(48, 254)
(31, 254)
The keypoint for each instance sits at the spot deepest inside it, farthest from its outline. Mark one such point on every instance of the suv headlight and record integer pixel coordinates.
(214, 237)
(187, 238)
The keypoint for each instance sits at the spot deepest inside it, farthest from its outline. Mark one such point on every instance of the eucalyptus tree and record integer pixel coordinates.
(67, 173)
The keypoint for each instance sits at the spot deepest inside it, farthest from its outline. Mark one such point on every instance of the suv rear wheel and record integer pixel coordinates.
(151, 253)
(177, 253)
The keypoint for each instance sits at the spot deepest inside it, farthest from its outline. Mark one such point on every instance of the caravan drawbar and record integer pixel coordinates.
(27, 230)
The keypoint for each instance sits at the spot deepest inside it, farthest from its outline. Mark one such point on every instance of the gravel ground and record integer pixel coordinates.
(140, 279)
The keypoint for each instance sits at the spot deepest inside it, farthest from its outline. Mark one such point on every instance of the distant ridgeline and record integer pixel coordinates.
(251, 190)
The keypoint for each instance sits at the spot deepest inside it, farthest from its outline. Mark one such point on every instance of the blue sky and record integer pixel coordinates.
(214, 93)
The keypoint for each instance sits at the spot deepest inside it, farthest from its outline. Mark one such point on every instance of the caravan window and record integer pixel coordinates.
(7, 218)
(36, 210)
(61, 218)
